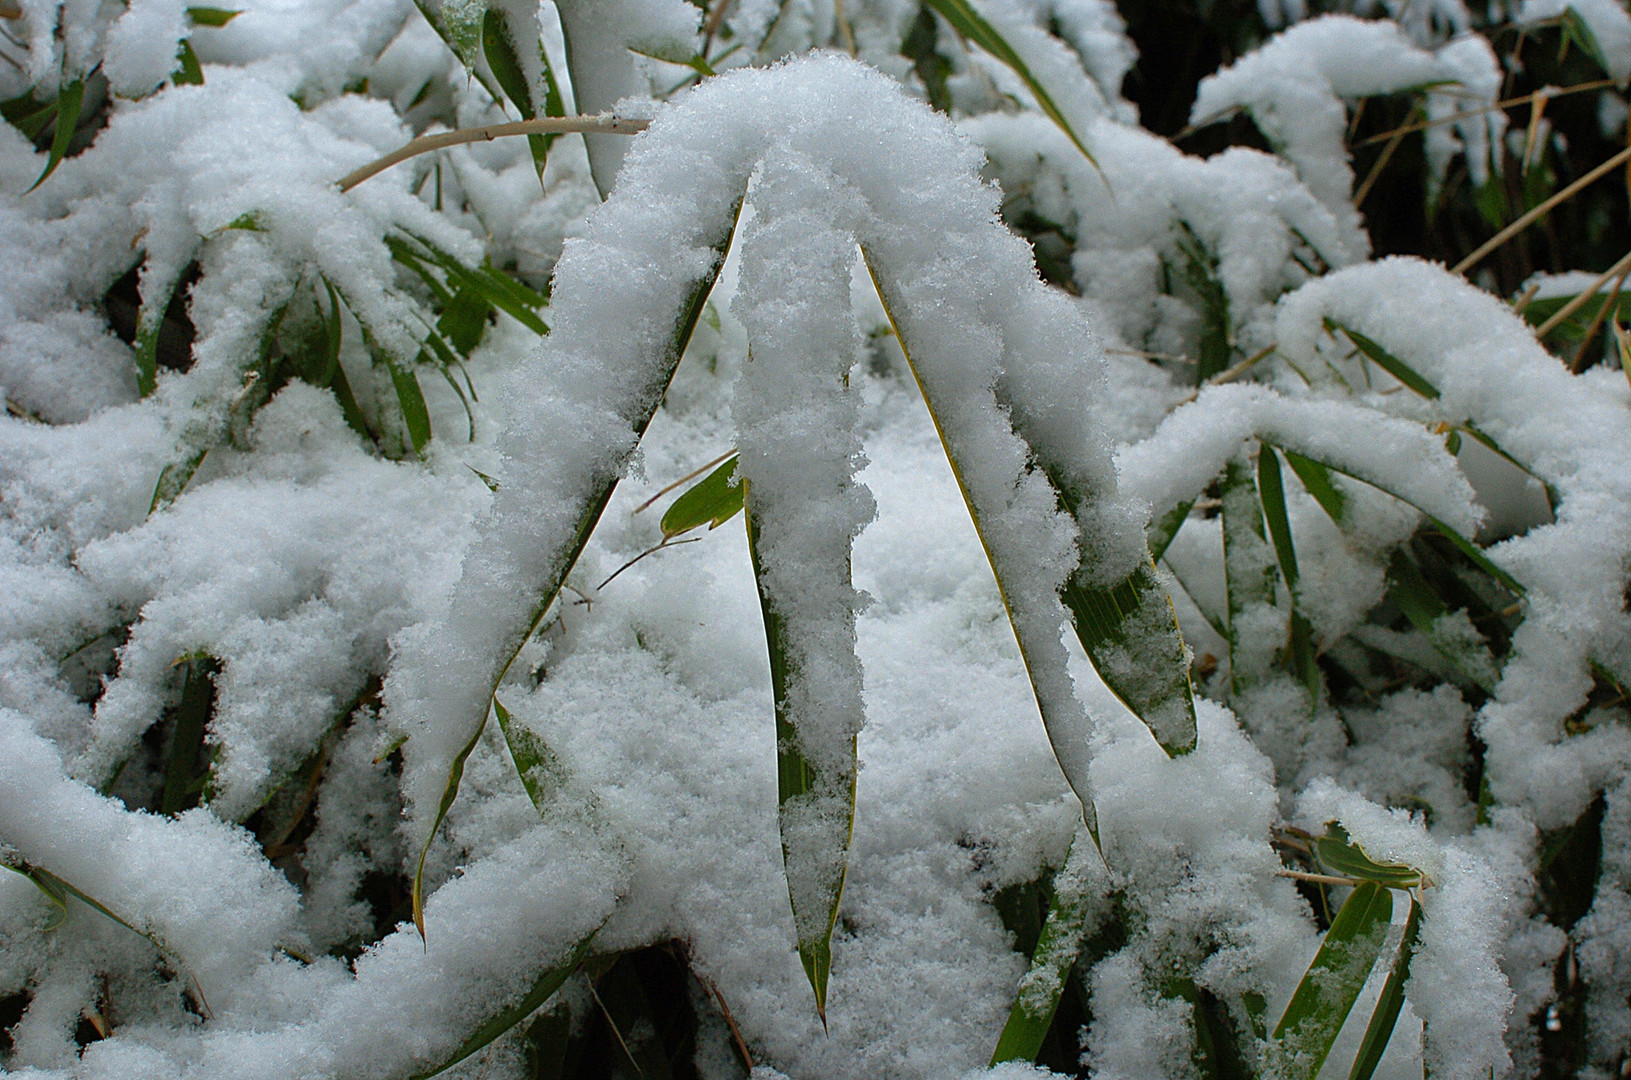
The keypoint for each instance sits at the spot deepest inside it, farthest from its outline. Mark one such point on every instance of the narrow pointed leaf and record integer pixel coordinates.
(149, 324)
(542, 990)
(973, 26)
(1316, 480)
(534, 760)
(1386, 1014)
(711, 501)
(173, 480)
(498, 46)
(1061, 942)
(187, 738)
(1386, 361)
(799, 780)
(69, 100)
(1271, 489)
(1423, 606)
(1131, 634)
(189, 72)
(591, 508)
(1161, 533)
(1249, 570)
(211, 16)
(1327, 992)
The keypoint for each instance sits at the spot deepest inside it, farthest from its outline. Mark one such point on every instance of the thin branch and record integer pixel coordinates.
(1510, 103)
(1610, 302)
(692, 475)
(1528, 219)
(604, 123)
(1376, 170)
(1318, 879)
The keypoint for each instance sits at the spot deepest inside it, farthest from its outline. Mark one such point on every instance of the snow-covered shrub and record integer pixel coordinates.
(304, 481)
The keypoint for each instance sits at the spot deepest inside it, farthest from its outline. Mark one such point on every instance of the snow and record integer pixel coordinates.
(905, 451)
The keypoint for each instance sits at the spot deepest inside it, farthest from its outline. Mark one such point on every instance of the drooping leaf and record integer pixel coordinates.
(1202, 274)
(182, 784)
(498, 44)
(211, 16)
(1321, 1003)
(188, 72)
(69, 101)
(1386, 1014)
(1425, 609)
(542, 990)
(798, 782)
(973, 26)
(712, 501)
(173, 480)
(535, 762)
(1161, 533)
(590, 507)
(1060, 943)
(1131, 634)
(1385, 360)
(1271, 489)
(1249, 570)
(1316, 480)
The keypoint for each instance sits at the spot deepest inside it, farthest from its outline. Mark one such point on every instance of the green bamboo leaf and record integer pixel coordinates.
(1271, 489)
(149, 324)
(59, 890)
(1202, 273)
(211, 16)
(498, 46)
(1340, 856)
(1063, 936)
(27, 115)
(1423, 606)
(534, 760)
(1466, 546)
(1327, 992)
(58, 898)
(1161, 533)
(712, 501)
(541, 991)
(973, 26)
(188, 72)
(1316, 480)
(69, 100)
(799, 780)
(410, 399)
(181, 781)
(492, 285)
(1130, 632)
(1386, 361)
(1386, 1014)
(1249, 570)
(1576, 28)
(173, 480)
(591, 508)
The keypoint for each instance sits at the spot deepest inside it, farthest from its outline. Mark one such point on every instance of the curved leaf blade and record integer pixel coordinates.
(711, 501)
(1321, 1003)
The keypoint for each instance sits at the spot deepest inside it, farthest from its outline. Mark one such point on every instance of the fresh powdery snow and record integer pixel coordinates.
(359, 708)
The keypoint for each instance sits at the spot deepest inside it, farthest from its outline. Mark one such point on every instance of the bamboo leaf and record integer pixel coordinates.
(1386, 1014)
(534, 760)
(1131, 634)
(189, 72)
(149, 324)
(69, 100)
(712, 501)
(1327, 992)
(973, 26)
(541, 991)
(173, 480)
(803, 787)
(1386, 361)
(181, 787)
(1063, 936)
(211, 16)
(1161, 533)
(1466, 546)
(1202, 274)
(1423, 606)
(1316, 480)
(590, 509)
(498, 46)
(1249, 570)
(1271, 489)
(1339, 855)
